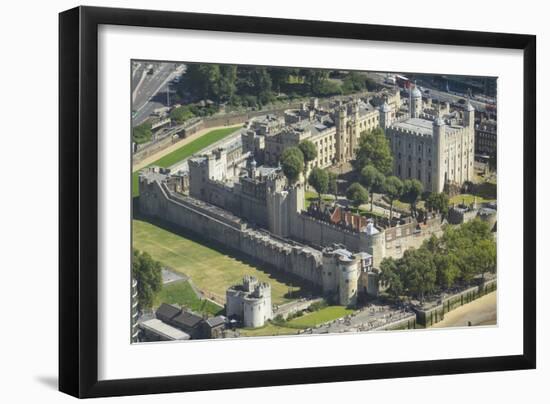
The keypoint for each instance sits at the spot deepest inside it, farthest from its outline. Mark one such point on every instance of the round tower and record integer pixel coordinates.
(416, 102)
(347, 286)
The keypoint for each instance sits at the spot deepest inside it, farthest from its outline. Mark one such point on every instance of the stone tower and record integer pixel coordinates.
(439, 169)
(416, 102)
(385, 115)
(341, 121)
(469, 115)
(347, 285)
(356, 131)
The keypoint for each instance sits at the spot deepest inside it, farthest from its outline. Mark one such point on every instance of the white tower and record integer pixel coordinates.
(385, 115)
(416, 102)
(439, 168)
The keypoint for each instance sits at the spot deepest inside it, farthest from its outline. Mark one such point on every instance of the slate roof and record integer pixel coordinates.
(167, 311)
(215, 321)
(187, 319)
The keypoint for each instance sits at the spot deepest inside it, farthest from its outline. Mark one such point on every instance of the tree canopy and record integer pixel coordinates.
(438, 202)
(292, 162)
(459, 256)
(393, 187)
(373, 180)
(309, 150)
(142, 133)
(374, 149)
(357, 194)
(147, 273)
(319, 180)
(412, 190)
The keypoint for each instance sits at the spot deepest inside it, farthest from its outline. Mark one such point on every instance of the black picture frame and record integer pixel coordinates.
(78, 201)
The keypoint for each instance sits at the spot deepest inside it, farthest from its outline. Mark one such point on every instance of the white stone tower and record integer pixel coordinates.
(347, 285)
(416, 102)
(386, 114)
(341, 121)
(439, 169)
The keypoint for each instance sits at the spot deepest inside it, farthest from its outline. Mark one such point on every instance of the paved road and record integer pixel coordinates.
(151, 94)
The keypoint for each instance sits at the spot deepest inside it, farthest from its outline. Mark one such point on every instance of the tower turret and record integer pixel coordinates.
(416, 102)
(341, 121)
(439, 169)
(386, 115)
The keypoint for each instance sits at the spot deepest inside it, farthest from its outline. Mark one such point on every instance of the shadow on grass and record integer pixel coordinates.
(306, 289)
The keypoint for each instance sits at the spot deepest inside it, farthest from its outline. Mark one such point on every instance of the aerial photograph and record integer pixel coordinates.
(276, 201)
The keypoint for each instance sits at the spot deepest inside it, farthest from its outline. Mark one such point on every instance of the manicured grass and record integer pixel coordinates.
(320, 316)
(468, 199)
(210, 269)
(195, 146)
(267, 330)
(182, 294)
(185, 151)
(313, 197)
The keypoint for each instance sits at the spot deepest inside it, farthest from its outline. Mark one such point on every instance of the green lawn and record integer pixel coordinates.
(186, 151)
(320, 316)
(314, 197)
(210, 269)
(268, 329)
(468, 199)
(182, 294)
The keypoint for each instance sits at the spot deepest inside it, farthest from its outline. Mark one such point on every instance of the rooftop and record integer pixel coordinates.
(158, 327)
(418, 125)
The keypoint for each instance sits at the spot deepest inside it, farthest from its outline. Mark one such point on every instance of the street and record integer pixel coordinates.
(148, 95)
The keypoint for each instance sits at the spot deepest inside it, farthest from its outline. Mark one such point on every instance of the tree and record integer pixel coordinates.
(147, 273)
(357, 194)
(315, 79)
(292, 162)
(181, 114)
(319, 180)
(309, 150)
(142, 133)
(419, 267)
(393, 187)
(374, 149)
(373, 180)
(412, 189)
(390, 277)
(333, 184)
(438, 202)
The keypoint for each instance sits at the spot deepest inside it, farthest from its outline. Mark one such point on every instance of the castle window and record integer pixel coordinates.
(429, 177)
(399, 155)
(419, 160)
(429, 163)
(419, 177)
(399, 169)
(409, 172)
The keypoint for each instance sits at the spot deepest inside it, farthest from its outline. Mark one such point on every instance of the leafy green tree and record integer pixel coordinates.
(353, 83)
(147, 273)
(181, 114)
(390, 277)
(142, 133)
(374, 149)
(319, 180)
(412, 189)
(357, 194)
(373, 180)
(332, 184)
(393, 187)
(315, 79)
(420, 272)
(438, 202)
(292, 163)
(309, 150)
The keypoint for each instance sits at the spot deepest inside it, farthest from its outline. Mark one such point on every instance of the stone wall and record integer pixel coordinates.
(222, 227)
(433, 315)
